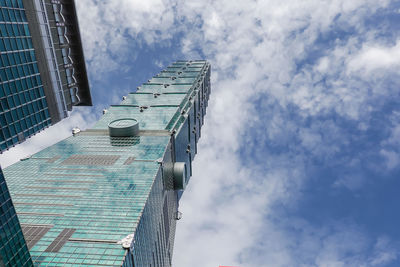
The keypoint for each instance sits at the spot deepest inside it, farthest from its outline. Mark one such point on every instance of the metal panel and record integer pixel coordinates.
(60, 240)
(129, 160)
(33, 234)
(92, 160)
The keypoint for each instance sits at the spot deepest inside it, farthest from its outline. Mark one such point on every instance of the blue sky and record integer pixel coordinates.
(299, 160)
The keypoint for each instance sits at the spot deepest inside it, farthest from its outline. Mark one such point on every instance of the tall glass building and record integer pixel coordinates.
(42, 69)
(109, 195)
(13, 249)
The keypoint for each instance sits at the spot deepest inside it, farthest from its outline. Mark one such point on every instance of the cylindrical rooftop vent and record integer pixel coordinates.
(123, 127)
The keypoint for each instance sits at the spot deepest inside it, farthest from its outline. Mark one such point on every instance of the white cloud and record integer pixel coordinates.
(372, 58)
(108, 28)
(267, 64)
(256, 48)
(392, 158)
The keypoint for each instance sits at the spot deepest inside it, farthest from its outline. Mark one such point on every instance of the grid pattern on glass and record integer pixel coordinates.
(91, 212)
(154, 99)
(13, 248)
(151, 118)
(105, 203)
(164, 88)
(23, 107)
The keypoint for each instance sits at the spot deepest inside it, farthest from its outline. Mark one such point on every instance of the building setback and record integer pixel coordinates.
(109, 195)
(42, 68)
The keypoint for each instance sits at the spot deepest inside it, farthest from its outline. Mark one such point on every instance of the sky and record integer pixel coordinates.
(299, 158)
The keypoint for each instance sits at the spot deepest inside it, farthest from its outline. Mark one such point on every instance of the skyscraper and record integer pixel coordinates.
(109, 195)
(42, 68)
(13, 249)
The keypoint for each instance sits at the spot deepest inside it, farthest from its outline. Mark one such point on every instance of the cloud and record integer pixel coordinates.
(283, 99)
(113, 31)
(300, 96)
(373, 58)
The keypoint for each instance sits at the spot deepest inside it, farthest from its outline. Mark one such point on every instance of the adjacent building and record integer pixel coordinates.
(42, 68)
(13, 249)
(109, 195)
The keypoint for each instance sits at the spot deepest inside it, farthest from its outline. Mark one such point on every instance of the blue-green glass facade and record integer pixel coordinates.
(101, 199)
(13, 249)
(23, 107)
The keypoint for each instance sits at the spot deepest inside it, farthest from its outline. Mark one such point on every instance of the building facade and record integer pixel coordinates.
(109, 195)
(42, 69)
(13, 248)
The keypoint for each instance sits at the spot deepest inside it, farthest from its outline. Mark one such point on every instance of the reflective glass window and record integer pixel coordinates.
(14, 114)
(20, 113)
(11, 59)
(33, 57)
(23, 16)
(19, 44)
(23, 124)
(7, 43)
(31, 71)
(34, 80)
(18, 84)
(2, 93)
(7, 89)
(10, 30)
(25, 43)
(30, 109)
(8, 117)
(5, 14)
(13, 87)
(3, 121)
(18, 127)
(30, 45)
(2, 46)
(22, 55)
(3, 75)
(13, 44)
(22, 97)
(12, 129)
(17, 58)
(25, 110)
(35, 68)
(23, 82)
(18, 15)
(6, 132)
(11, 102)
(15, 72)
(29, 81)
(26, 29)
(20, 71)
(28, 122)
(9, 74)
(16, 100)
(27, 97)
(4, 57)
(16, 30)
(12, 15)
(3, 29)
